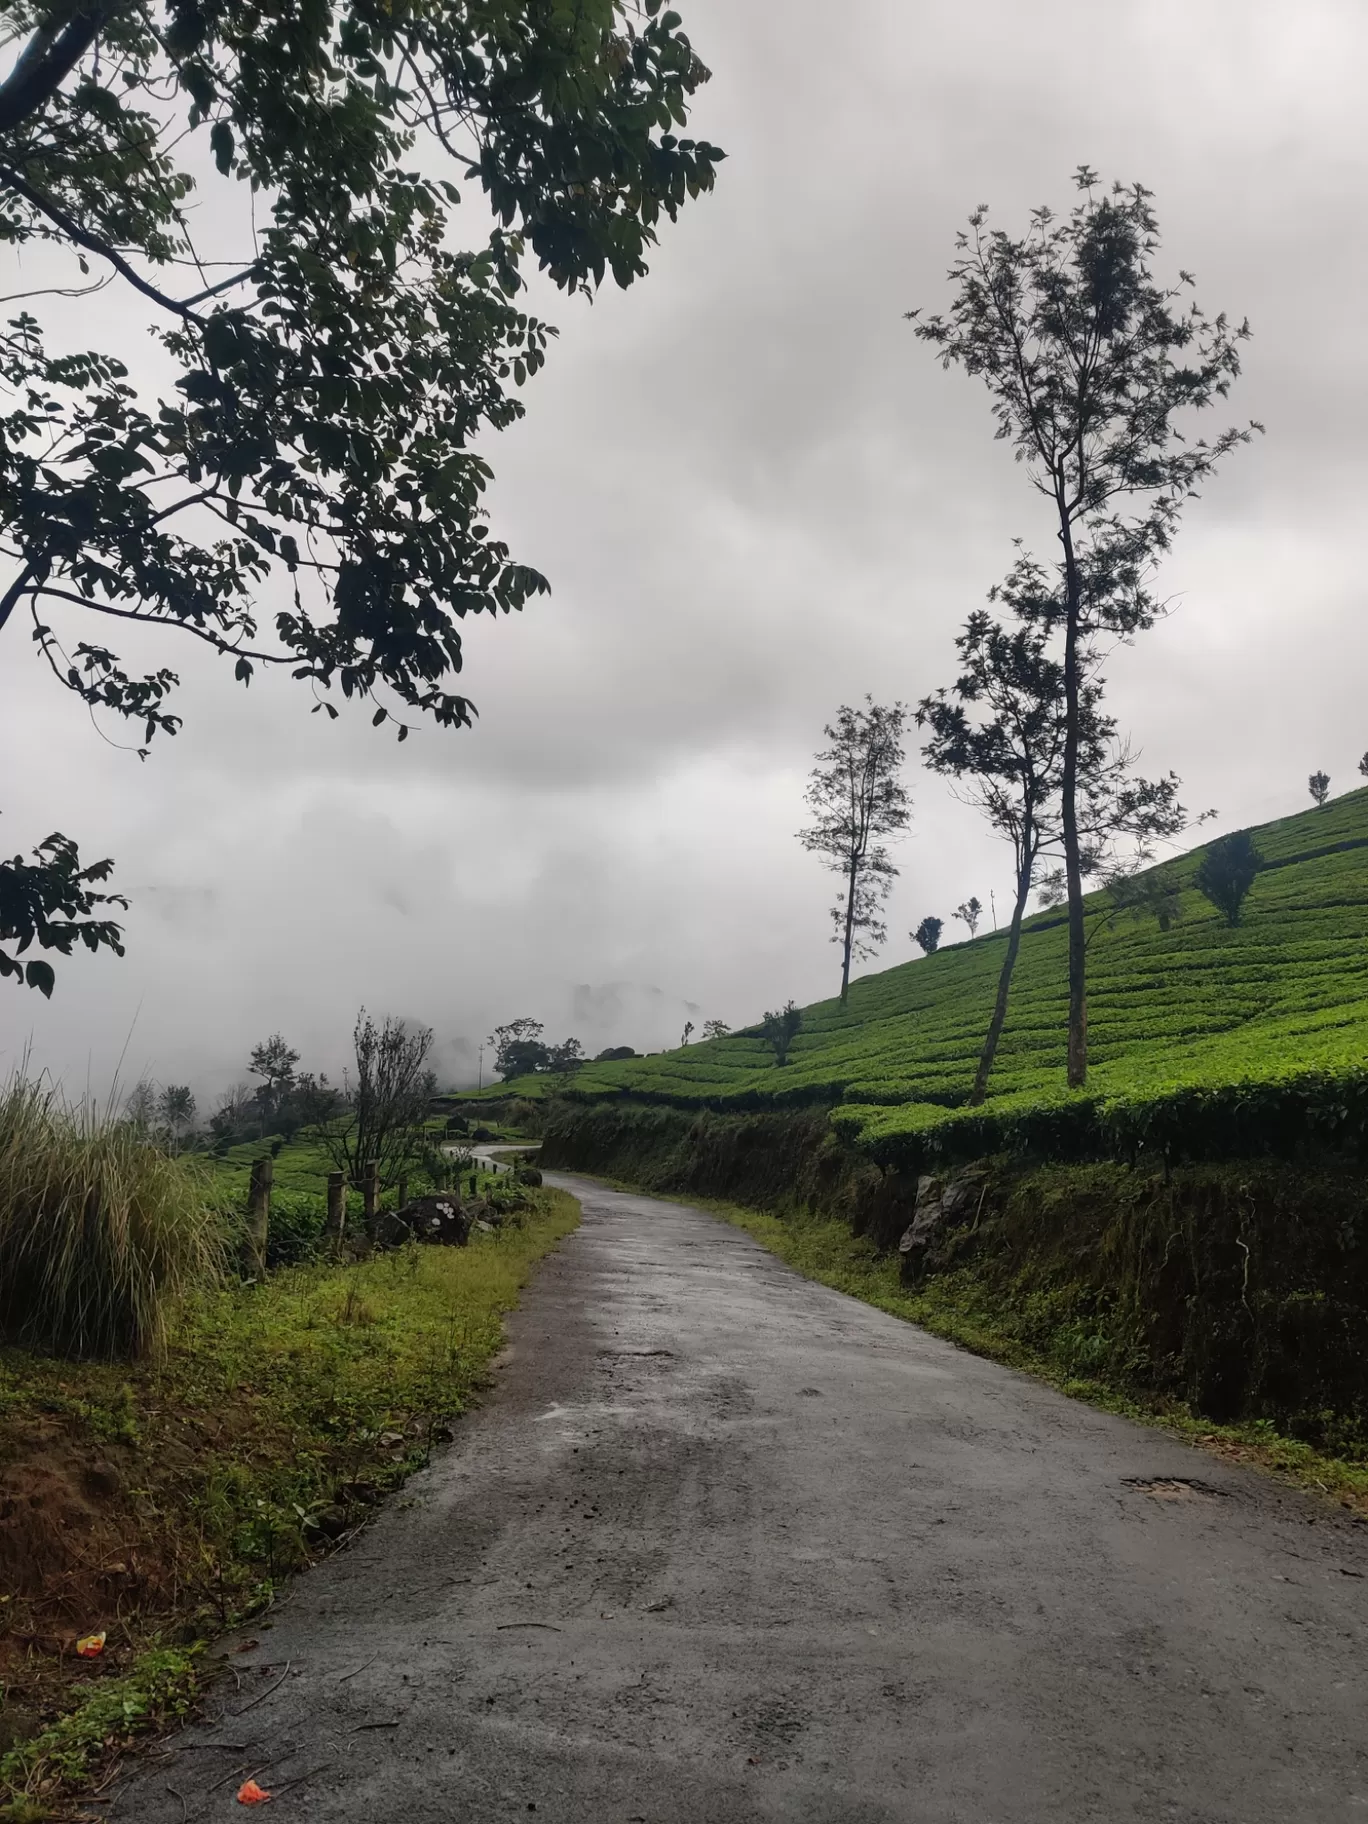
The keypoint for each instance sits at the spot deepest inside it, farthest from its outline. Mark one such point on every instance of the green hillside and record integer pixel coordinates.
(1198, 1006)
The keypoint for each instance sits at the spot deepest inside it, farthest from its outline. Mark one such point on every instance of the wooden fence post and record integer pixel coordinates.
(401, 1194)
(259, 1214)
(370, 1192)
(337, 1209)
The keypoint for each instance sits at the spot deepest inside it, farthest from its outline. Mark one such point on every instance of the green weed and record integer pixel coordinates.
(100, 1232)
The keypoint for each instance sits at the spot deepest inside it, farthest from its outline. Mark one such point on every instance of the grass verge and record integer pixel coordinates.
(165, 1500)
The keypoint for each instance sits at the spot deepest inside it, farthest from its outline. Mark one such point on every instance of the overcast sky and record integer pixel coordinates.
(756, 496)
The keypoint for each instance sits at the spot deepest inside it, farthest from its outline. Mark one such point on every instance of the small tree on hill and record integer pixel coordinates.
(140, 1106)
(1090, 362)
(928, 934)
(384, 1124)
(563, 1059)
(274, 1062)
(1226, 873)
(780, 1029)
(855, 797)
(715, 1029)
(969, 913)
(231, 1116)
(687, 1033)
(1363, 766)
(1319, 787)
(314, 1100)
(518, 1048)
(176, 1110)
(1154, 894)
(1001, 732)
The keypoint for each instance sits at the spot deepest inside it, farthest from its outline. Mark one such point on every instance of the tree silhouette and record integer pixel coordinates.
(780, 1029)
(928, 934)
(969, 913)
(1226, 873)
(335, 361)
(1090, 361)
(855, 797)
(1000, 731)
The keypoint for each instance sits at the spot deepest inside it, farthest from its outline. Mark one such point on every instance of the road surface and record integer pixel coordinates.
(725, 1546)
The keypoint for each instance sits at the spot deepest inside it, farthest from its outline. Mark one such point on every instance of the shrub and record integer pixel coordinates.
(100, 1230)
(297, 1225)
(928, 935)
(780, 1029)
(1226, 873)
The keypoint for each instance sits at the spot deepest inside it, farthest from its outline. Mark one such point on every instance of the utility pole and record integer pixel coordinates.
(480, 1084)
(992, 901)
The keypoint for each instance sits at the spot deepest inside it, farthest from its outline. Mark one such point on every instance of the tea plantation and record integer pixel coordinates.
(1184, 1019)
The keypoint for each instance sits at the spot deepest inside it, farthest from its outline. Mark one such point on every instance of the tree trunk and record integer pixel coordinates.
(995, 1025)
(337, 1210)
(1073, 872)
(852, 871)
(259, 1215)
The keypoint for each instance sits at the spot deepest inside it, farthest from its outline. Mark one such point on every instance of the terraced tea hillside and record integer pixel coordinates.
(1199, 1005)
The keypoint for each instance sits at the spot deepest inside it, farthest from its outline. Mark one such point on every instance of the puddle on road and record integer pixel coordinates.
(1175, 1488)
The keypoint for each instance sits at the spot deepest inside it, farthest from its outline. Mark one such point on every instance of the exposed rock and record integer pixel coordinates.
(100, 1481)
(942, 1205)
(17, 1726)
(438, 1218)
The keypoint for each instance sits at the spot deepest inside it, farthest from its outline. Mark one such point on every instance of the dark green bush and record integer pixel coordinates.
(297, 1230)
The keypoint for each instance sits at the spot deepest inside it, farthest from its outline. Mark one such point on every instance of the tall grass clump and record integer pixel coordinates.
(100, 1230)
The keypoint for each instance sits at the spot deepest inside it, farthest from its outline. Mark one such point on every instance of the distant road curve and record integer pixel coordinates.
(725, 1546)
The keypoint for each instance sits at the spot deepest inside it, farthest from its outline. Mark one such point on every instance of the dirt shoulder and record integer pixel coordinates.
(158, 1503)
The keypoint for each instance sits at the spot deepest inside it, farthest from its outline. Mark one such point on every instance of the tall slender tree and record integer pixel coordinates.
(1000, 731)
(856, 798)
(1091, 362)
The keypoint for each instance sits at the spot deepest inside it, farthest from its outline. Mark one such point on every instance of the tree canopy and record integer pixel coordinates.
(305, 492)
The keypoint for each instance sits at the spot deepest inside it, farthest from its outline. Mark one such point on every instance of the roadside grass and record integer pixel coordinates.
(956, 1305)
(301, 1164)
(189, 1485)
(299, 1206)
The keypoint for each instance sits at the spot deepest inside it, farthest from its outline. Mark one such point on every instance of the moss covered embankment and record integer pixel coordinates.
(1238, 1289)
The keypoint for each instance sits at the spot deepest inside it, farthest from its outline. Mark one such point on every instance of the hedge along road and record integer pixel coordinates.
(724, 1545)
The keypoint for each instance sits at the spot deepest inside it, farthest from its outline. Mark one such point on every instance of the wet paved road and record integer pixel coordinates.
(725, 1546)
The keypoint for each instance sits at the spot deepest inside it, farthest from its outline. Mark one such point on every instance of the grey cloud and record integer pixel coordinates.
(756, 495)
